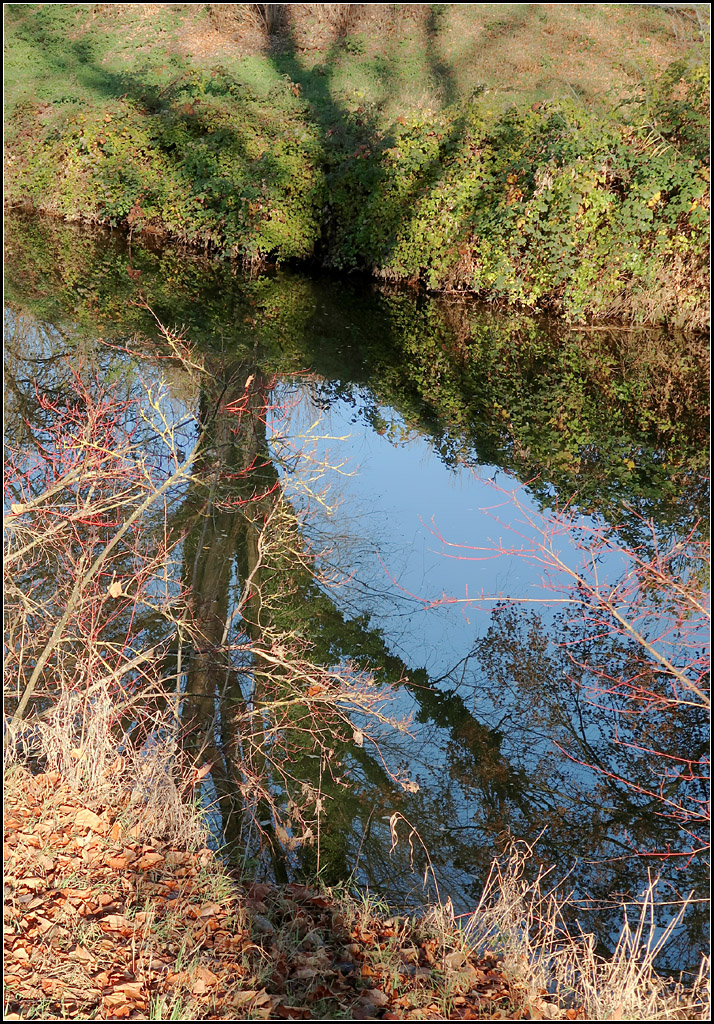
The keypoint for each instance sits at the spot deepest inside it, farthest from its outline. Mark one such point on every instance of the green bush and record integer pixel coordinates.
(548, 206)
(206, 163)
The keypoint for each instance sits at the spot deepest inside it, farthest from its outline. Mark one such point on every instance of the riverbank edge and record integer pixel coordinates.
(696, 325)
(103, 916)
(546, 208)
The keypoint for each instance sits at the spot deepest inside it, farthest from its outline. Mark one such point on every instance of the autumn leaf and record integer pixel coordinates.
(205, 979)
(88, 819)
(149, 861)
(376, 996)
(115, 923)
(116, 863)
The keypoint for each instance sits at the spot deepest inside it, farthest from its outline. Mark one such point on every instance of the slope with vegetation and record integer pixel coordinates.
(112, 913)
(161, 654)
(548, 155)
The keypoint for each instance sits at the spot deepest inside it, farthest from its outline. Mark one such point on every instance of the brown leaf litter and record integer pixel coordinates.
(100, 925)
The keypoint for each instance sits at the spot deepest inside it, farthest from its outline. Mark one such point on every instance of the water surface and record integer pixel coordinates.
(419, 441)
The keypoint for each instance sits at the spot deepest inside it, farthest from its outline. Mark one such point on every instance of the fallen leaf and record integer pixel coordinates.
(32, 882)
(88, 819)
(293, 1012)
(205, 979)
(114, 1000)
(76, 894)
(81, 955)
(129, 990)
(259, 890)
(211, 910)
(114, 589)
(455, 960)
(376, 996)
(262, 925)
(199, 773)
(305, 973)
(117, 863)
(114, 923)
(150, 860)
(246, 996)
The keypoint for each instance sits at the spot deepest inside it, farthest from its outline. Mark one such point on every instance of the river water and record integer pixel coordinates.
(428, 447)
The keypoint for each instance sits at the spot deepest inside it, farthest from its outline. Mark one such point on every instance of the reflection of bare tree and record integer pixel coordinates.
(233, 490)
(32, 352)
(484, 763)
(561, 742)
(271, 722)
(271, 719)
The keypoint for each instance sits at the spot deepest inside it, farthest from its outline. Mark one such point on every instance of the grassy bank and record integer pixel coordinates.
(383, 143)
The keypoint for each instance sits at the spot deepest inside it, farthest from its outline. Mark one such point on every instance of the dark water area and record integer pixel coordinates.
(426, 446)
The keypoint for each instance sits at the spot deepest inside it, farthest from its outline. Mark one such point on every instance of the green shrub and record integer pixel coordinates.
(206, 164)
(550, 206)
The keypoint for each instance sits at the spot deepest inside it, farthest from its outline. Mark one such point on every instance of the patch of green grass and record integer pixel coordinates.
(391, 60)
(169, 1008)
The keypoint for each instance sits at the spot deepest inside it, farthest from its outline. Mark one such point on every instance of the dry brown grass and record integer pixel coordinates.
(183, 941)
(536, 51)
(524, 922)
(79, 741)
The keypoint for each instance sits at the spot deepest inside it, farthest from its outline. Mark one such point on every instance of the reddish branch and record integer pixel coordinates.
(656, 611)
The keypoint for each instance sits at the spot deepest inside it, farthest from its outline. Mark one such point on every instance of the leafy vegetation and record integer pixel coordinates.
(550, 206)
(178, 659)
(591, 210)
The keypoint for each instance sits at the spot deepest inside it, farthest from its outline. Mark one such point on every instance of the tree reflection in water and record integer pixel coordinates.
(484, 740)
